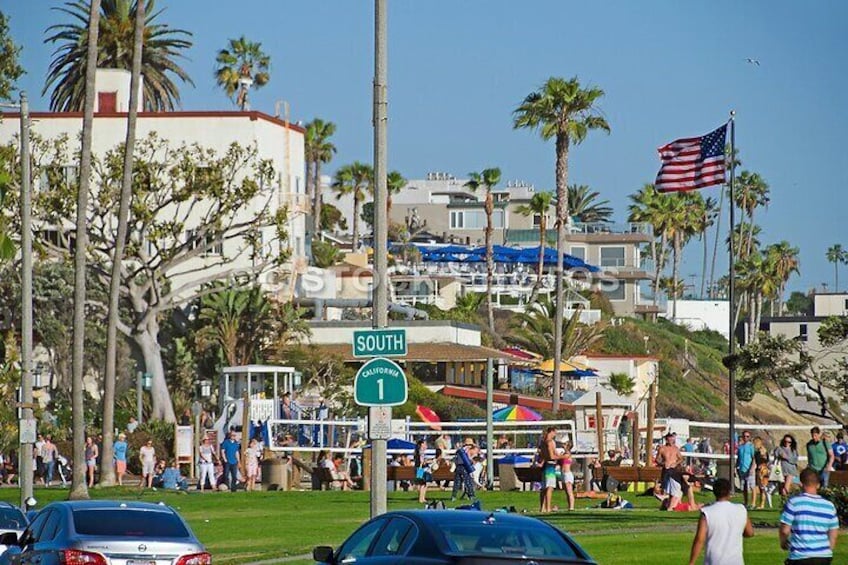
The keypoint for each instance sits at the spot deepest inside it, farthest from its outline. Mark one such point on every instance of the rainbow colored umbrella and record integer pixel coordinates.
(429, 416)
(516, 413)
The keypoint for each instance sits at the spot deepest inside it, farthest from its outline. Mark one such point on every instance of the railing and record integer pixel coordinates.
(531, 236)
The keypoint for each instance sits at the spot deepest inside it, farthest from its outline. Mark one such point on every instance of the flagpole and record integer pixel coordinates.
(731, 291)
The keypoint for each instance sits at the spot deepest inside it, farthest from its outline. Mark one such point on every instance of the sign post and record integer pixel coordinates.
(379, 384)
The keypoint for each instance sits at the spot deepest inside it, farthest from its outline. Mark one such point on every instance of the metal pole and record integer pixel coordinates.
(25, 455)
(380, 299)
(731, 291)
(490, 426)
(138, 398)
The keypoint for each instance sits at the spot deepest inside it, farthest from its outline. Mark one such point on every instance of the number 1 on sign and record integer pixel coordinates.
(380, 389)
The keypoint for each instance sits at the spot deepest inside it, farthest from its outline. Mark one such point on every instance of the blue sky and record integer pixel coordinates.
(458, 69)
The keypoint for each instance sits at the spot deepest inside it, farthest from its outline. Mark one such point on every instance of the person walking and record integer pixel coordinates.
(819, 455)
(745, 467)
(251, 466)
(231, 457)
(119, 450)
(761, 474)
(809, 525)
(422, 469)
(49, 454)
(206, 464)
(464, 467)
(721, 527)
(565, 463)
(91, 455)
(147, 458)
(786, 455)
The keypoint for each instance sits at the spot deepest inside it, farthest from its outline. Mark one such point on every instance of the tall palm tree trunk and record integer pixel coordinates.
(317, 199)
(543, 229)
(562, 218)
(79, 489)
(675, 271)
(659, 265)
(490, 260)
(704, 264)
(107, 470)
(715, 243)
(355, 227)
(836, 276)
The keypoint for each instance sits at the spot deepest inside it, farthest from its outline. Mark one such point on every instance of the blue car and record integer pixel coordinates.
(464, 537)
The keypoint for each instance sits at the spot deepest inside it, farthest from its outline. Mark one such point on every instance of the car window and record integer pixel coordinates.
(358, 543)
(51, 526)
(129, 522)
(501, 539)
(11, 518)
(395, 538)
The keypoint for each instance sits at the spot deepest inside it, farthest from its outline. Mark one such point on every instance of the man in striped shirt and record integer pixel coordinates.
(808, 524)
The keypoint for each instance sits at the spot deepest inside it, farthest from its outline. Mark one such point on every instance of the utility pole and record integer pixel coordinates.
(27, 436)
(380, 302)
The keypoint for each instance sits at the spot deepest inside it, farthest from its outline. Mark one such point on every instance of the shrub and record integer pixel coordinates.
(162, 434)
(839, 497)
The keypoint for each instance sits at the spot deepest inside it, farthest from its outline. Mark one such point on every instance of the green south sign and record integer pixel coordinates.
(380, 382)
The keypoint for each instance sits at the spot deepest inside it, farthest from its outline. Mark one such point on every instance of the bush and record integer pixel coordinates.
(162, 434)
(839, 497)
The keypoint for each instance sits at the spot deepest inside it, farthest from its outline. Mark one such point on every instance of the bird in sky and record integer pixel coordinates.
(753, 61)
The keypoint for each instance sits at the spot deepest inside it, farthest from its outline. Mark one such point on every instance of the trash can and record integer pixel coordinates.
(276, 474)
(506, 471)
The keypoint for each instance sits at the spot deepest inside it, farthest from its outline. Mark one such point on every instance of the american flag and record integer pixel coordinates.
(692, 162)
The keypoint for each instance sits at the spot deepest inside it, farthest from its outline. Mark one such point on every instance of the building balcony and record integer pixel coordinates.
(595, 232)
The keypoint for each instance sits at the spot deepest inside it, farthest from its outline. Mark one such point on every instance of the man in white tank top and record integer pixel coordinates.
(721, 528)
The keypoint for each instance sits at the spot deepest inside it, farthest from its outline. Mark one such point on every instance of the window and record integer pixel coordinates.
(612, 257)
(475, 219)
(51, 527)
(614, 289)
(579, 252)
(802, 332)
(502, 540)
(395, 538)
(213, 245)
(11, 518)
(537, 220)
(107, 102)
(59, 176)
(357, 545)
(126, 522)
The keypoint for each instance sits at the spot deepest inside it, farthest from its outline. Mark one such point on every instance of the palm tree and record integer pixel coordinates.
(836, 255)
(242, 65)
(356, 179)
(539, 205)
(394, 184)
(318, 149)
(487, 179)
(534, 331)
(162, 46)
(79, 489)
(752, 192)
(706, 214)
(785, 260)
(646, 206)
(563, 110)
(107, 469)
(680, 220)
(585, 207)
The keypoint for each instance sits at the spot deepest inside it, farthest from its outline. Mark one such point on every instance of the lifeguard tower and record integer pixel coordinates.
(259, 382)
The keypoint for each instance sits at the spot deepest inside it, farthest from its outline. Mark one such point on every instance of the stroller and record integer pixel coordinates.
(64, 469)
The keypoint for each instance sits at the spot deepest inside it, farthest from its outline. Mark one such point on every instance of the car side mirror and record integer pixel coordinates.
(323, 554)
(9, 539)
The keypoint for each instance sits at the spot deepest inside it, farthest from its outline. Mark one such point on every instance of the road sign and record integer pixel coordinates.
(380, 382)
(28, 430)
(380, 422)
(379, 343)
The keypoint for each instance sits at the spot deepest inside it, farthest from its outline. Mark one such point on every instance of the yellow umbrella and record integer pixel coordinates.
(547, 366)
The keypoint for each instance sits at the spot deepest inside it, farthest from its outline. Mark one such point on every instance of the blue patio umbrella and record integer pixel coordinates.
(396, 443)
(513, 459)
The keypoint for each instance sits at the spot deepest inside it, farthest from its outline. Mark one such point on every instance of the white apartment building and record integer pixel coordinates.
(273, 139)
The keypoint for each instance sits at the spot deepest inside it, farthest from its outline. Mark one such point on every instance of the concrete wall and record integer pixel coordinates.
(702, 314)
(831, 304)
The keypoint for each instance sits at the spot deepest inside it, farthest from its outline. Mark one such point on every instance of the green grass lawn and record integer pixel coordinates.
(245, 527)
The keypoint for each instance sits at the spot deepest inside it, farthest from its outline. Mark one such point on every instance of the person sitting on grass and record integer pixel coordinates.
(172, 478)
(158, 473)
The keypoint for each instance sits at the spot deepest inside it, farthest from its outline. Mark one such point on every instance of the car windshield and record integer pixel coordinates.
(11, 519)
(505, 539)
(128, 522)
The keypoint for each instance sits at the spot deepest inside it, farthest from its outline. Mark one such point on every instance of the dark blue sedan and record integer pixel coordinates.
(455, 536)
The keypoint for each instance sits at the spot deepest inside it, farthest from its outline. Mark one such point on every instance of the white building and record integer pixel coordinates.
(702, 315)
(273, 139)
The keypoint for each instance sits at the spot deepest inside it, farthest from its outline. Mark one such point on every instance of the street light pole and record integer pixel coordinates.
(380, 302)
(25, 454)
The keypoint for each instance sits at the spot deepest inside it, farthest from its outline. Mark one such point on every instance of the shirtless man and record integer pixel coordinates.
(546, 458)
(668, 457)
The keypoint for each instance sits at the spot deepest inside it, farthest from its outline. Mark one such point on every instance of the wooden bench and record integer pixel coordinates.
(623, 474)
(528, 475)
(650, 474)
(406, 473)
(838, 479)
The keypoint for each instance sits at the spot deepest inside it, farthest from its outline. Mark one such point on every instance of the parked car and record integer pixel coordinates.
(102, 532)
(464, 537)
(12, 521)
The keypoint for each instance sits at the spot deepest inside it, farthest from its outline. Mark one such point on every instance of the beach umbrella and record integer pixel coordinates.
(396, 443)
(429, 416)
(516, 413)
(569, 367)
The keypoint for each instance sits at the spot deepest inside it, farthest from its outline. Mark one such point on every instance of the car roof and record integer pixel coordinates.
(110, 504)
(468, 516)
